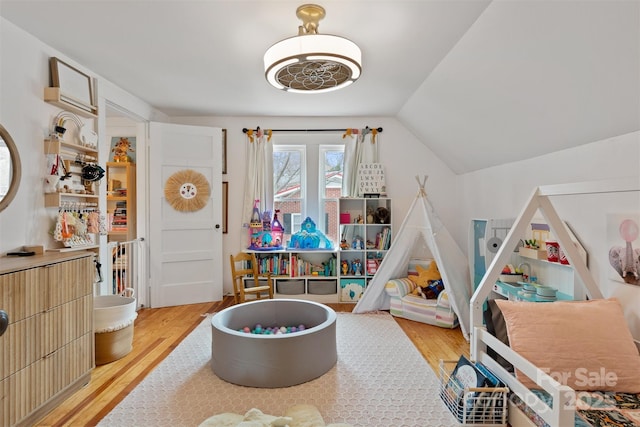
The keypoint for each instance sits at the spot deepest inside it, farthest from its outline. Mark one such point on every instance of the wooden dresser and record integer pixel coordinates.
(47, 351)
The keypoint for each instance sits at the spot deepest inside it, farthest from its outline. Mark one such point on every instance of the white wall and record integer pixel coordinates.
(402, 154)
(24, 73)
(500, 192)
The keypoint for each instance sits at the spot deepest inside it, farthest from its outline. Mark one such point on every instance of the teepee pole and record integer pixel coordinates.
(421, 191)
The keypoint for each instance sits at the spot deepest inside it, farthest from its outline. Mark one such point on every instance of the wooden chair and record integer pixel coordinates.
(243, 265)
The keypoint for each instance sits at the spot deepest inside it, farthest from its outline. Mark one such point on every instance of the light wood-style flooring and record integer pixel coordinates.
(158, 331)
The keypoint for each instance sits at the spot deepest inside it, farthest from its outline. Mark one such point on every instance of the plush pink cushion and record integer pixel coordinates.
(586, 345)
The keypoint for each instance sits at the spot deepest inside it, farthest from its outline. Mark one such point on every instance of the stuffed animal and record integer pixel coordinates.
(121, 150)
(432, 291)
(425, 278)
(297, 416)
(382, 215)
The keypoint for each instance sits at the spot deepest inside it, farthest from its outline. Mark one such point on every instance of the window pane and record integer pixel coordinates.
(307, 183)
(287, 169)
(289, 216)
(289, 192)
(331, 215)
(331, 165)
(333, 162)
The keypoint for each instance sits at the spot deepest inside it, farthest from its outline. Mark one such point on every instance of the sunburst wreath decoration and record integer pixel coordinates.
(187, 190)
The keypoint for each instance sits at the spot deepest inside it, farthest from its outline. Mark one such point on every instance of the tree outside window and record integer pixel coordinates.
(307, 182)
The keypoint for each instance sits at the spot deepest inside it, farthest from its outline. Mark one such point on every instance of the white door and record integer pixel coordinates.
(185, 257)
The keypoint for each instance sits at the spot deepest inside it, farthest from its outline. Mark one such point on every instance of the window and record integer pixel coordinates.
(289, 172)
(307, 182)
(331, 164)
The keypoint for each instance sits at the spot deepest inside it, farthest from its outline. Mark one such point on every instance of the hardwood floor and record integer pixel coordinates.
(158, 331)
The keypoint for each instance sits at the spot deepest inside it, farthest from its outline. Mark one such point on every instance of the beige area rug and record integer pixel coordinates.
(380, 379)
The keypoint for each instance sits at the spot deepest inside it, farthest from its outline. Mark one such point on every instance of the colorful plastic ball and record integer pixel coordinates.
(272, 330)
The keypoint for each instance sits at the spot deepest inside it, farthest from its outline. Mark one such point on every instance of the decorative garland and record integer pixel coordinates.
(187, 190)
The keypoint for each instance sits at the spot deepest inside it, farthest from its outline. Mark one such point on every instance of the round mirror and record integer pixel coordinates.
(9, 168)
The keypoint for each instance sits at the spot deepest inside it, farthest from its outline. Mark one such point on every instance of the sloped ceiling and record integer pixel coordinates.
(480, 83)
(529, 78)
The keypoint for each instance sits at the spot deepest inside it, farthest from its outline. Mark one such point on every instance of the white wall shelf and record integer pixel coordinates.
(72, 192)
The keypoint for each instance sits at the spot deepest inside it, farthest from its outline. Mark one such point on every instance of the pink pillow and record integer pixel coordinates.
(586, 345)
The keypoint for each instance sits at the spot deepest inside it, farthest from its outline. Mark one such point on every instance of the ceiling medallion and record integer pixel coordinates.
(312, 62)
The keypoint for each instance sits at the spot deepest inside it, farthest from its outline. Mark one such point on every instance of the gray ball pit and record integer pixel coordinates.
(270, 361)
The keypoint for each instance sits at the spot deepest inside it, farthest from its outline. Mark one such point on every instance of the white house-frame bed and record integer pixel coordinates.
(562, 412)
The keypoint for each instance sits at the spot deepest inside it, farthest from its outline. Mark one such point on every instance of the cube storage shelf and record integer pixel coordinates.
(342, 274)
(366, 235)
(301, 274)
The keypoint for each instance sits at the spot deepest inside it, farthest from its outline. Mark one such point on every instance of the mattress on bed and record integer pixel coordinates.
(593, 409)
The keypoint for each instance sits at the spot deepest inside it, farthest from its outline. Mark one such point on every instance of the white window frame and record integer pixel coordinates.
(312, 148)
(303, 170)
(322, 150)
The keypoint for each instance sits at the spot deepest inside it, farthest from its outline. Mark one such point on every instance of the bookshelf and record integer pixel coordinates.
(340, 274)
(365, 238)
(121, 201)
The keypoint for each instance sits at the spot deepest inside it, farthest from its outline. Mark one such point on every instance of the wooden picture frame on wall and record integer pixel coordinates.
(225, 206)
(224, 151)
(76, 87)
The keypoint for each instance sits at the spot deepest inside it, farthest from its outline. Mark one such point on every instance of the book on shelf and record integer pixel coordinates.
(383, 239)
(277, 265)
(118, 192)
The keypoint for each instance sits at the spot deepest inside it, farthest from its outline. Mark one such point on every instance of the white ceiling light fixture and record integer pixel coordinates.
(312, 62)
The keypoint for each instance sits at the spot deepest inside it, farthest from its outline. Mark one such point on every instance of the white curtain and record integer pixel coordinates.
(361, 146)
(258, 183)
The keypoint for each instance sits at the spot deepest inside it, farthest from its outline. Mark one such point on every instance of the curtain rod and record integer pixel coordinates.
(245, 130)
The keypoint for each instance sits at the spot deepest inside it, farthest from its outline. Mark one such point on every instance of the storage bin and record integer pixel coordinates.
(249, 283)
(111, 346)
(351, 289)
(290, 287)
(480, 406)
(533, 253)
(113, 317)
(322, 287)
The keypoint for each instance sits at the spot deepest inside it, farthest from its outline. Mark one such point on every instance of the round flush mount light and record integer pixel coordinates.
(312, 62)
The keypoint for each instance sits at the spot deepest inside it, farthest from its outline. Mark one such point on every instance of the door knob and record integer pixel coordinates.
(217, 225)
(4, 321)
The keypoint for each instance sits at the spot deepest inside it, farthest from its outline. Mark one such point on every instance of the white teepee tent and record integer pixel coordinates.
(422, 227)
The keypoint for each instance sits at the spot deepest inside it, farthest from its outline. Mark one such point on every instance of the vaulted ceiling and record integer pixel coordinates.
(479, 82)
